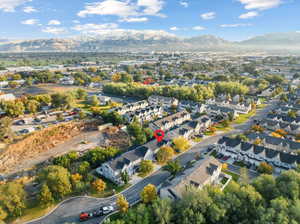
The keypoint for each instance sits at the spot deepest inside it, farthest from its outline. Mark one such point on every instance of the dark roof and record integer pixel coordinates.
(270, 153)
(289, 158)
(128, 157)
(233, 142)
(245, 146)
(258, 149)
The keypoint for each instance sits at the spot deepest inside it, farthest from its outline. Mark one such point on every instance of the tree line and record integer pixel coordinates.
(266, 200)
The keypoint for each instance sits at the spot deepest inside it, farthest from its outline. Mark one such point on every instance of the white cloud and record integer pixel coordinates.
(198, 28)
(248, 15)
(123, 9)
(10, 5)
(134, 19)
(184, 4)
(54, 22)
(109, 7)
(235, 25)
(54, 30)
(91, 28)
(30, 22)
(174, 28)
(260, 4)
(29, 9)
(151, 7)
(208, 15)
(76, 21)
(298, 31)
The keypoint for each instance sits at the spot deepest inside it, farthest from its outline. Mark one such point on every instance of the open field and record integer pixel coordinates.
(44, 89)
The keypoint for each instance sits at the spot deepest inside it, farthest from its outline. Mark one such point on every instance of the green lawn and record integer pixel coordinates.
(31, 213)
(209, 133)
(221, 127)
(239, 163)
(261, 106)
(213, 153)
(244, 117)
(235, 176)
(197, 139)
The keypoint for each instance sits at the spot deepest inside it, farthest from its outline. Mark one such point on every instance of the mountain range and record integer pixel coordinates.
(152, 40)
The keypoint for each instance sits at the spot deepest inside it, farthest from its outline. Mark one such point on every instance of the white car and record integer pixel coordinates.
(107, 209)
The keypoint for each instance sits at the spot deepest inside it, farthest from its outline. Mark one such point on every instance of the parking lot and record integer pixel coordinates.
(30, 124)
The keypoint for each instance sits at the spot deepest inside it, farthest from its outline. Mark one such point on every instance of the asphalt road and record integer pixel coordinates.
(68, 211)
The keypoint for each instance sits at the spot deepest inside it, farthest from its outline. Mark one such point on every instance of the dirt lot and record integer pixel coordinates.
(31, 151)
(37, 143)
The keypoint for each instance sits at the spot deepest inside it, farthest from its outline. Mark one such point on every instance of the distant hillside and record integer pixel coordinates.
(150, 40)
(274, 41)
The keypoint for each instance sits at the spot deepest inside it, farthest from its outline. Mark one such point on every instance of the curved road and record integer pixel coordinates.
(68, 211)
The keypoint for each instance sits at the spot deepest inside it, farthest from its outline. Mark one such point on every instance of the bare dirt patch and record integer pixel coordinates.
(37, 143)
(116, 137)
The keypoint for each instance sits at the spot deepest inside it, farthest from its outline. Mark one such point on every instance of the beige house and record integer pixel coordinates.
(202, 173)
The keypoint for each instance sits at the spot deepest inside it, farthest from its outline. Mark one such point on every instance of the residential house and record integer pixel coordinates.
(163, 101)
(131, 107)
(104, 99)
(144, 114)
(194, 107)
(202, 173)
(256, 154)
(274, 125)
(224, 112)
(280, 144)
(127, 162)
(171, 121)
(67, 80)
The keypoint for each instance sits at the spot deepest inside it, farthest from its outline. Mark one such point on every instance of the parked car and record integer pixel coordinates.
(85, 216)
(107, 209)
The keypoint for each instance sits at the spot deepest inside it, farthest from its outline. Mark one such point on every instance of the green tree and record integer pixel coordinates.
(173, 167)
(45, 196)
(13, 196)
(162, 209)
(95, 101)
(81, 94)
(84, 167)
(146, 167)
(125, 177)
(13, 108)
(265, 168)
(3, 214)
(32, 106)
(58, 180)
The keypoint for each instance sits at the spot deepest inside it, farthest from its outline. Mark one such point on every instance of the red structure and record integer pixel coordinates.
(159, 135)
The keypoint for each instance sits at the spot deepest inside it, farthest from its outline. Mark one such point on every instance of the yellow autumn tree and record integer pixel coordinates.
(164, 154)
(116, 77)
(181, 144)
(149, 193)
(99, 185)
(122, 203)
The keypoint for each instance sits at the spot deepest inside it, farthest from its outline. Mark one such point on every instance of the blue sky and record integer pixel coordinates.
(229, 19)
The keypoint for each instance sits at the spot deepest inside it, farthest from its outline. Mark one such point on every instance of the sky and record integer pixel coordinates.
(229, 19)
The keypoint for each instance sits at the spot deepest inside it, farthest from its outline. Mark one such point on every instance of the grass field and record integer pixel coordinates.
(235, 176)
(244, 117)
